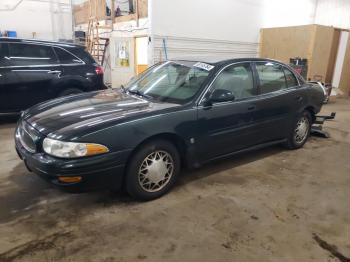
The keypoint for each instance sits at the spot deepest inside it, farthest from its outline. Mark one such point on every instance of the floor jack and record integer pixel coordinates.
(317, 127)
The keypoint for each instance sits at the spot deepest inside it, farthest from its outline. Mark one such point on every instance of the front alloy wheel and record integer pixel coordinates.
(156, 171)
(152, 170)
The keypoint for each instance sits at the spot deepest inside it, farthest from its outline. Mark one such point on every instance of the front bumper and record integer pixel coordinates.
(97, 172)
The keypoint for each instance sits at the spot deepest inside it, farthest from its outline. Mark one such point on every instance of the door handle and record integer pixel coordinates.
(250, 108)
(299, 98)
(54, 72)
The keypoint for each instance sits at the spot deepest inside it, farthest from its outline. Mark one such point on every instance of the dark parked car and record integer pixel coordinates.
(178, 113)
(35, 71)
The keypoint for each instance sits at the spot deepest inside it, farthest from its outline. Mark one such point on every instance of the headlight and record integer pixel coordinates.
(71, 149)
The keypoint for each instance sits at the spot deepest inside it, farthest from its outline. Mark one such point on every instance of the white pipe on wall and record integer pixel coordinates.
(13, 7)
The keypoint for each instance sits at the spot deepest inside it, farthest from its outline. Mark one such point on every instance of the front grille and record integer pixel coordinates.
(26, 136)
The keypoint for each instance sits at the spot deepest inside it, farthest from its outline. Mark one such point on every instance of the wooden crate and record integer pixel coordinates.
(316, 43)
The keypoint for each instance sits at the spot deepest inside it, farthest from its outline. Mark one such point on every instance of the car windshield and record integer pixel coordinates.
(173, 82)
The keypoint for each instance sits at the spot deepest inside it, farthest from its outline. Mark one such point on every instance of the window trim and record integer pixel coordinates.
(209, 86)
(31, 58)
(81, 62)
(44, 65)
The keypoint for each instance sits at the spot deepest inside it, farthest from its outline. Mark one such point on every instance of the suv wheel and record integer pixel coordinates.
(153, 170)
(301, 131)
(70, 91)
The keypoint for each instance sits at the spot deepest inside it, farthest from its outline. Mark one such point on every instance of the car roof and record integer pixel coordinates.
(36, 41)
(221, 61)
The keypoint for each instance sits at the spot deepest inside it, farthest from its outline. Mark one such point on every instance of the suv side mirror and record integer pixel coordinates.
(221, 95)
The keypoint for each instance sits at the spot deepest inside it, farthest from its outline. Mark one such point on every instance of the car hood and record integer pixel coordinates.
(88, 112)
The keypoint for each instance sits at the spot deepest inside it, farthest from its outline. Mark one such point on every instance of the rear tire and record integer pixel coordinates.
(300, 132)
(152, 170)
(70, 91)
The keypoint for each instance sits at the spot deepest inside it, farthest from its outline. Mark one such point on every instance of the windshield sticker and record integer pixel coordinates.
(204, 66)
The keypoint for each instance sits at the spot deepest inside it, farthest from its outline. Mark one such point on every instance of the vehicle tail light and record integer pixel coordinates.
(99, 70)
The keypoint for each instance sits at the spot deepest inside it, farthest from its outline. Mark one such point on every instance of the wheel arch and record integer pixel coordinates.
(68, 84)
(312, 112)
(173, 138)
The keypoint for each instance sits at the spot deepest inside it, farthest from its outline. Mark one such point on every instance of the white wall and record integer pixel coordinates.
(50, 19)
(221, 28)
(279, 13)
(333, 13)
(234, 20)
(343, 43)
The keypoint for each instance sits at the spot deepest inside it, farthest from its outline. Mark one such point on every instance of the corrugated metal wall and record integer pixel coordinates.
(185, 47)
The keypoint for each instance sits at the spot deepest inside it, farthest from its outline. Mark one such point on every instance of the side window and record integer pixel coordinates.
(237, 79)
(3, 53)
(290, 77)
(271, 77)
(65, 57)
(29, 54)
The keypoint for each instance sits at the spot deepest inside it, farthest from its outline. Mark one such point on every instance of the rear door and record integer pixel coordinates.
(279, 100)
(225, 127)
(74, 70)
(3, 73)
(34, 68)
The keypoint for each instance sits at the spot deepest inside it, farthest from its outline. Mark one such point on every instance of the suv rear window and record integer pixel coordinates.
(65, 57)
(30, 54)
(83, 55)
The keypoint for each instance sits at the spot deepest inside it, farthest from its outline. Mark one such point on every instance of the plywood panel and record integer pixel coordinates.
(143, 8)
(81, 12)
(321, 52)
(286, 42)
(344, 84)
(313, 42)
(333, 55)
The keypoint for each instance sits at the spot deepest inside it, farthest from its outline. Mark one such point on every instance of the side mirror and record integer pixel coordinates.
(221, 95)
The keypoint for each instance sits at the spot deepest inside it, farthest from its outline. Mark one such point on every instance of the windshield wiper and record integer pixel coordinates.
(138, 93)
(123, 88)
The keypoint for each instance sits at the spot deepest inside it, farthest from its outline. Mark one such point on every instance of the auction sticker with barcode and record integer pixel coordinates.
(204, 66)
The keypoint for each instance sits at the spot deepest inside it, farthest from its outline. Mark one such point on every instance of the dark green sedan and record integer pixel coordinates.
(178, 113)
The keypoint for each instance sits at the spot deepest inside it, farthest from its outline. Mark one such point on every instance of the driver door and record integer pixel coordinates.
(228, 126)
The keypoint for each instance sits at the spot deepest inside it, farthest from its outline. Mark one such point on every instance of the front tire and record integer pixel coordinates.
(152, 170)
(301, 131)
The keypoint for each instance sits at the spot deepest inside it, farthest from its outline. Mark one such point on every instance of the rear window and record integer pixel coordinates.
(271, 77)
(291, 79)
(30, 54)
(65, 57)
(83, 55)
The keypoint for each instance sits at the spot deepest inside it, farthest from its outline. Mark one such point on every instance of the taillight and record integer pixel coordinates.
(99, 70)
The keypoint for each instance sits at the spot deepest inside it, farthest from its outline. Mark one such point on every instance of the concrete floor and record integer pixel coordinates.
(269, 205)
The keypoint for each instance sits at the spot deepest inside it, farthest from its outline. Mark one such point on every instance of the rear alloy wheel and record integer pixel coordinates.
(301, 131)
(152, 170)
